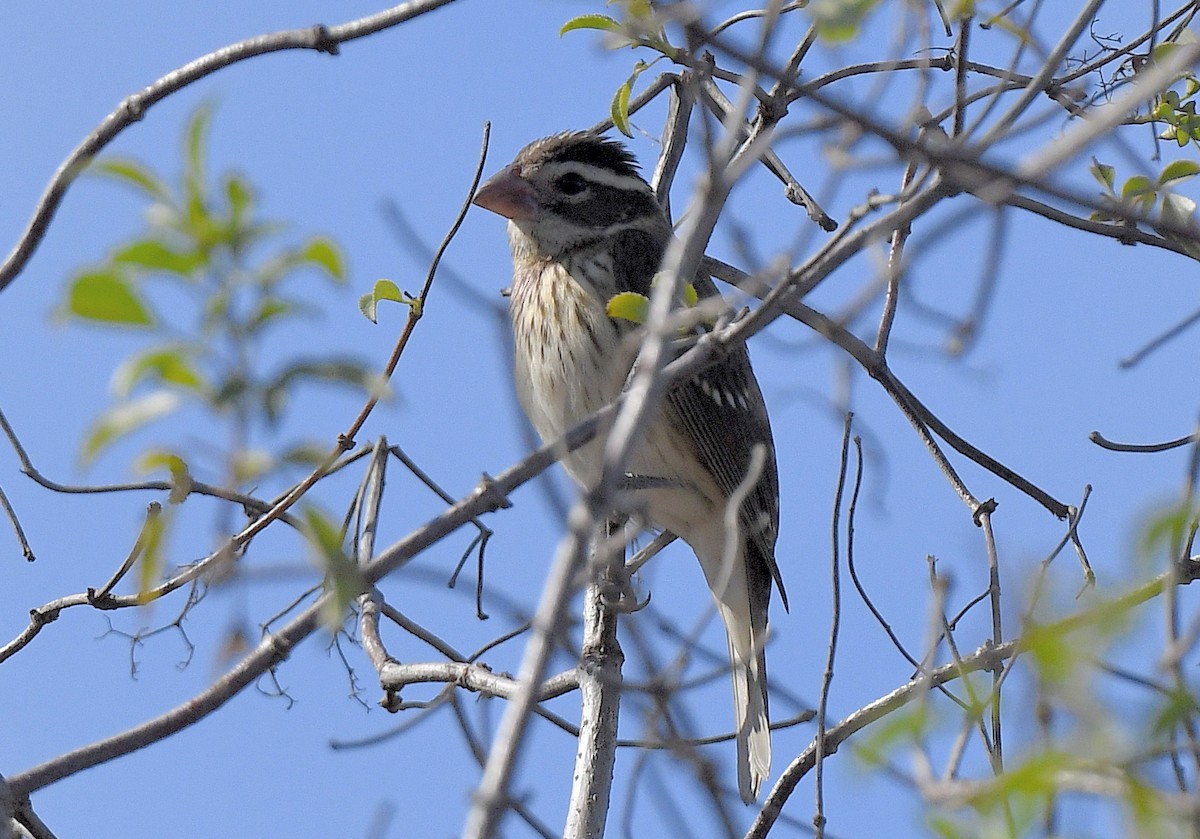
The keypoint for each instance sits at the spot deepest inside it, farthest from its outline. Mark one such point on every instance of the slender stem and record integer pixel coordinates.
(835, 622)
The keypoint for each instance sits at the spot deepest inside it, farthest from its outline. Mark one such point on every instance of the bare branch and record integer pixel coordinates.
(600, 682)
(1050, 66)
(876, 367)
(11, 514)
(477, 678)
(133, 108)
(153, 511)
(249, 502)
(835, 622)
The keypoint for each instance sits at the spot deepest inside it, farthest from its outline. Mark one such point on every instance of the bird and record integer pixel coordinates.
(584, 226)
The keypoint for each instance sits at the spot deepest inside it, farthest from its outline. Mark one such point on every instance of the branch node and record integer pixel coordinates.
(774, 109)
(619, 595)
(391, 701)
(42, 617)
(133, 108)
(1187, 569)
(985, 508)
(323, 41)
(490, 494)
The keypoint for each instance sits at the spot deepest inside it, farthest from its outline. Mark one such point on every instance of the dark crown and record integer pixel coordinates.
(581, 147)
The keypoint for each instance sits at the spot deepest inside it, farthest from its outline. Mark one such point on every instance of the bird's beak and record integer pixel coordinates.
(508, 194)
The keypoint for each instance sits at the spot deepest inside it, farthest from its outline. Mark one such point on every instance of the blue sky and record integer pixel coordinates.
(398, 116)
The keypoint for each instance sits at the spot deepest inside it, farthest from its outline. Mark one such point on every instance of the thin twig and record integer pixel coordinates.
(415, 311)
(1050, 66)
(1174, 332)
(984, 519)
(1141, 448)
(960, 72)
(895, 263)
(481, 538)
(133, 108)
(480, 755)
(835, 621)
(370, 602)
(11, 514)
(151, 522)
(417, 631)
(249, 502)
(680, 102)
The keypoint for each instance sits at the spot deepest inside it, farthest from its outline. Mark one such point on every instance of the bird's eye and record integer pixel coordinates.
(572, 183)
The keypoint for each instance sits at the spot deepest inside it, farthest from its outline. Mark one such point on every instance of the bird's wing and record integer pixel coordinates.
(721, 410)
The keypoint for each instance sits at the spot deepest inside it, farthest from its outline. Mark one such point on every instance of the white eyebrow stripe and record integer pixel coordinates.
(598, 175)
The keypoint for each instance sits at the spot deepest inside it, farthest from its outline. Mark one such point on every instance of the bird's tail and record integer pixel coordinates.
(742, 603)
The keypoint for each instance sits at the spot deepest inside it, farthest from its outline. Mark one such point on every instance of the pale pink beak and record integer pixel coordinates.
(508, 194)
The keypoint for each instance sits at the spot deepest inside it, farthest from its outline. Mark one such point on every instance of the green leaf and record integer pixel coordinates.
(840, 20)
(149, 546)
(153, 255)
(630, 306)
(239, 194)
(944, 827)
(306, 454)
(272, 308)
(1104, 173)
(1178, 170)
(199, 224)
(690, 296)
(1138, 186)
(249, 465)
(343, 580)
(1166, 529)
(244, 234)
(195, 136)
(1037, 776)
(902, 728)
(132, 173)
(323, 534)
(1054, 655)
(171, 364)
(1178, 708)
(124, 418)
(323, 253)
(1162, 52)
(181, 476)
(107, 297)
(603, 23)
(230, 391)
(385, 290)
(348, 372)
(620, 107)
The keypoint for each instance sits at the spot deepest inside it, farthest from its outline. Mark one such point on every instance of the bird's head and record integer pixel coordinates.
(569, 190)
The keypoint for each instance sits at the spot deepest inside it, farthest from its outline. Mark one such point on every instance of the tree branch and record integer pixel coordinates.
(132, 108)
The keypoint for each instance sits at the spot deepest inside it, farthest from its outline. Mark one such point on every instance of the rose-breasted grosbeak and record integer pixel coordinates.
(584, 226)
